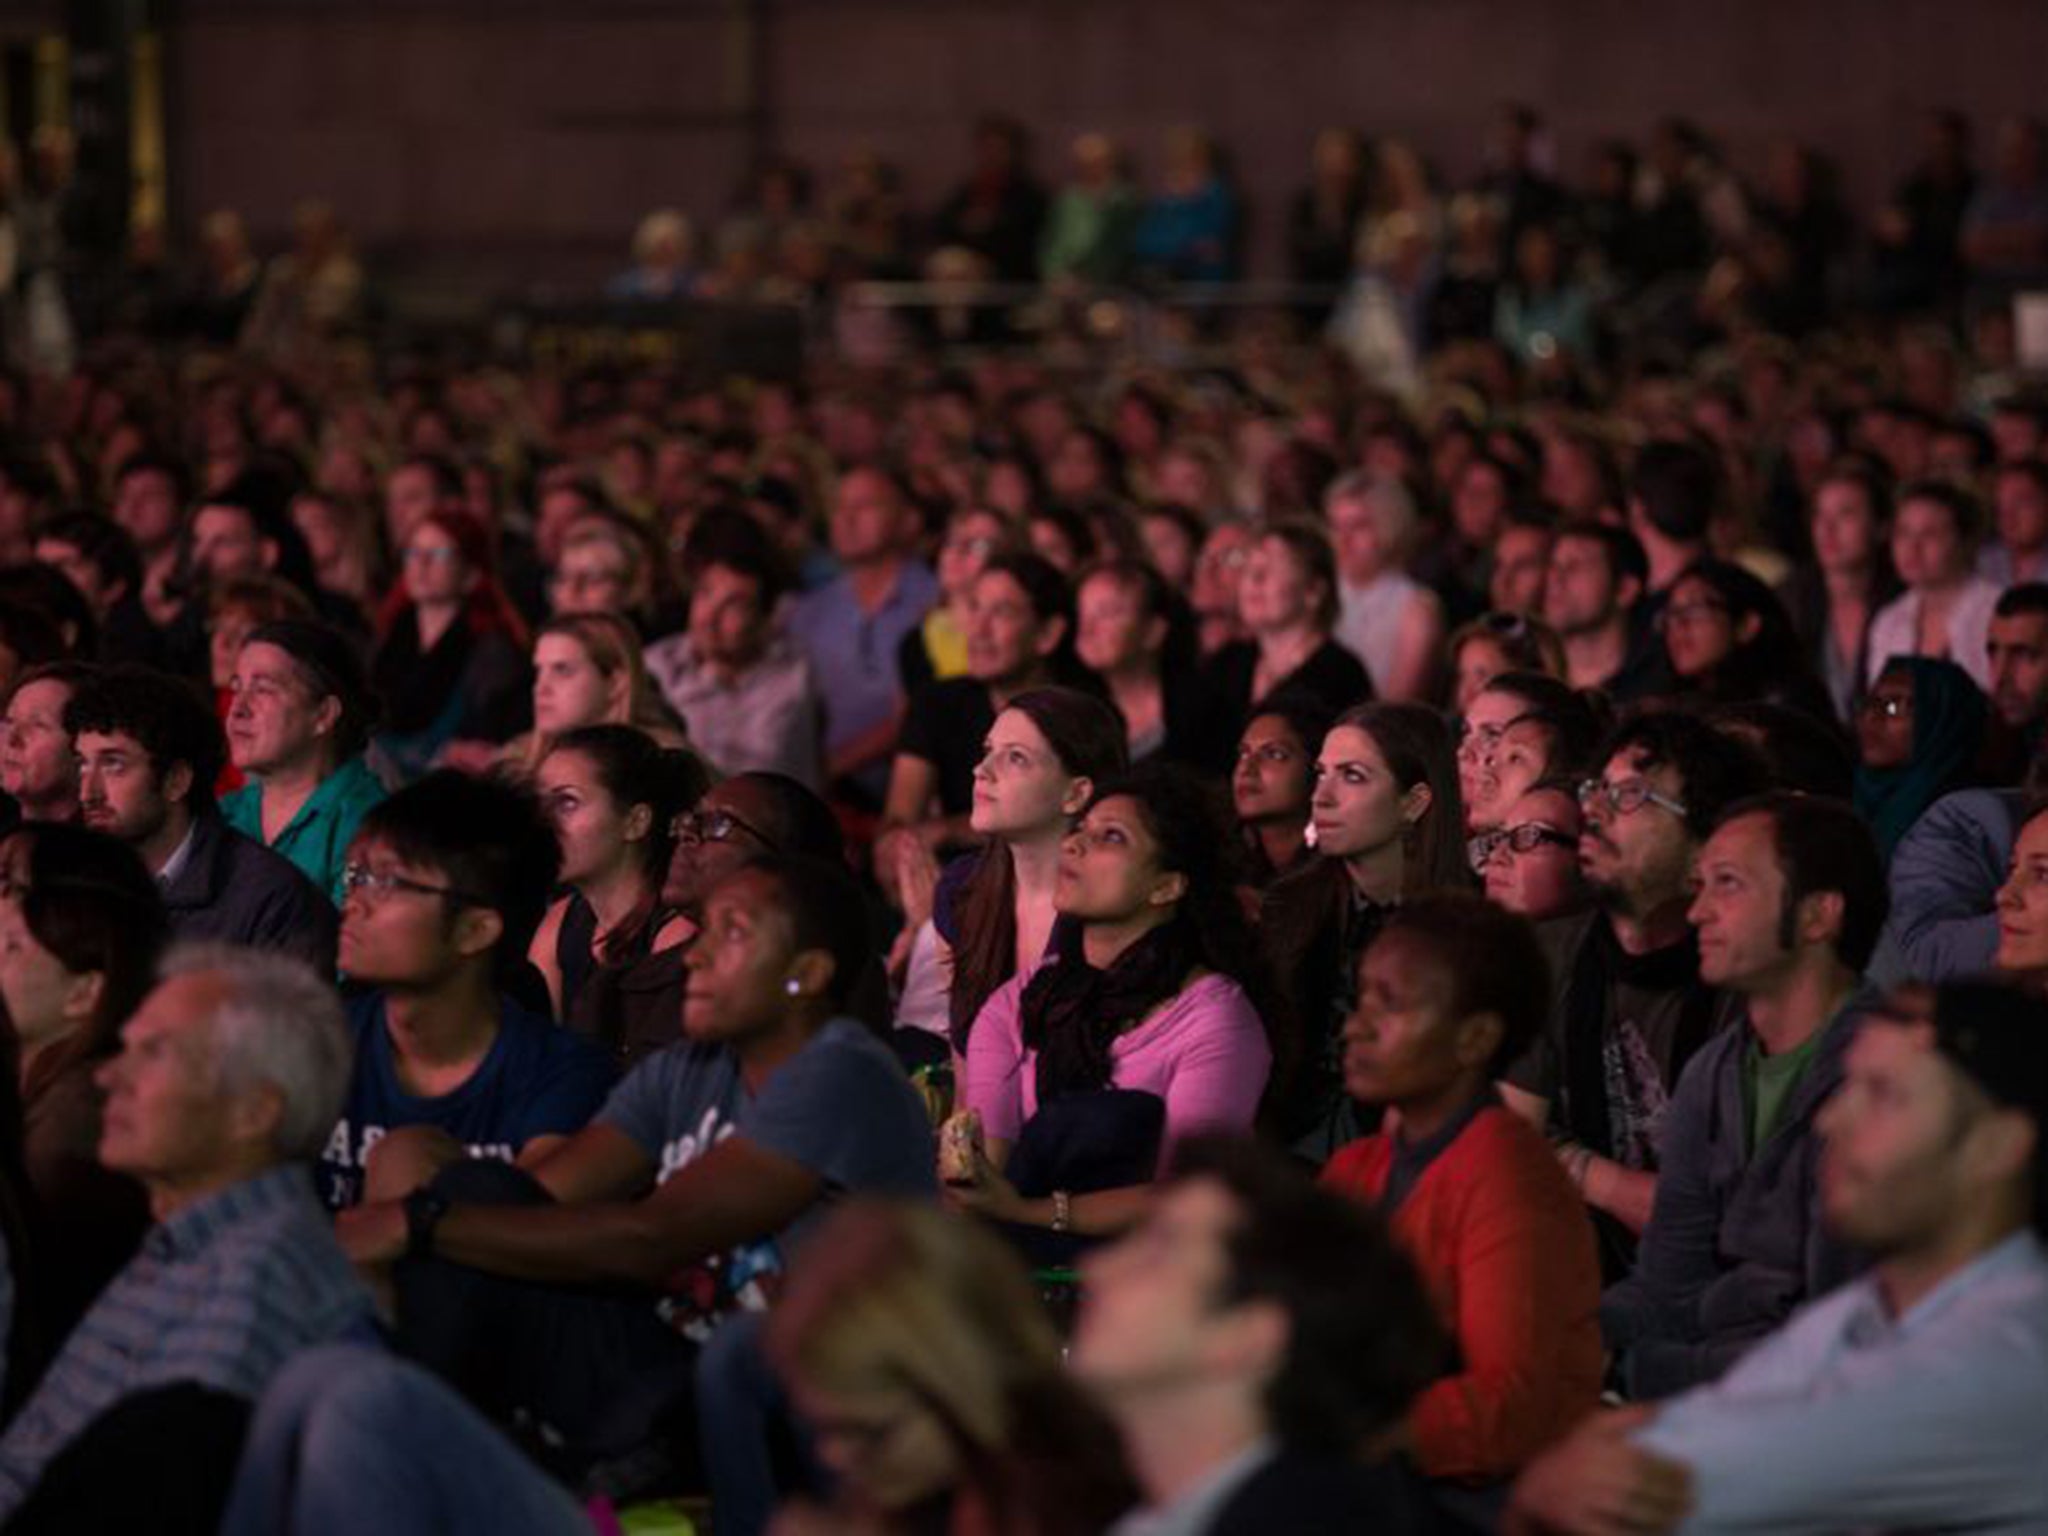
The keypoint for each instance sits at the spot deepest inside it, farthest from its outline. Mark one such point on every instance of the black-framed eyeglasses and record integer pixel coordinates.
(376, 884)
(1526, 838)
(713, 827)
(1625, 798)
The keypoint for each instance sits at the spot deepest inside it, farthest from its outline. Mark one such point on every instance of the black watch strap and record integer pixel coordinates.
(423, 1212)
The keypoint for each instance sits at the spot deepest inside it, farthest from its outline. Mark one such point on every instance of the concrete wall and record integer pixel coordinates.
(534, 134)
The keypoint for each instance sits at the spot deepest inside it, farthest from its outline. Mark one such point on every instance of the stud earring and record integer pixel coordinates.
(793, 987)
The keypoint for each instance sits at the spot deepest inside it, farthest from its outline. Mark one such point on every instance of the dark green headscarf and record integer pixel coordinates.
(1949, 715)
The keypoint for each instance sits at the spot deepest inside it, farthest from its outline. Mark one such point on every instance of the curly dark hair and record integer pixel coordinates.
(1714, 769)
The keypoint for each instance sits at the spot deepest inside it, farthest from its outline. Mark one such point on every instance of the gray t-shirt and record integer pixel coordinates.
(841, 1107)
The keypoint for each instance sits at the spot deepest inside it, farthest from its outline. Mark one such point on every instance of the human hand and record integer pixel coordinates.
(1599, 1482)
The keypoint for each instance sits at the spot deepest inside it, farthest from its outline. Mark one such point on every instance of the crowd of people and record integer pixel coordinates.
(986, 949)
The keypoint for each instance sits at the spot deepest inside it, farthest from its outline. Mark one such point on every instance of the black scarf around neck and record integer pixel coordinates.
(1071, 1013)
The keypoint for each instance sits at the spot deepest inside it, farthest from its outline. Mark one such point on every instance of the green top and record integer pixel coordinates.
(1768, 1081)
(316, 839)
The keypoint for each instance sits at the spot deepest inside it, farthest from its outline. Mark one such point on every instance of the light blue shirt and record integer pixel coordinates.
(1849, 1419)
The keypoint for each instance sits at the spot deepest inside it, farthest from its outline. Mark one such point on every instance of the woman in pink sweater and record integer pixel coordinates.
(1143, 994)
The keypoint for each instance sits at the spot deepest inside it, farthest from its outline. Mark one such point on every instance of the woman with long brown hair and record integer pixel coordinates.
(1388, 825)
(992, 912)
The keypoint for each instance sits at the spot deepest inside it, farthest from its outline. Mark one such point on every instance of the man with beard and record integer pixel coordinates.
(1911, 1399)
(1790, 897)
(1629, 1007)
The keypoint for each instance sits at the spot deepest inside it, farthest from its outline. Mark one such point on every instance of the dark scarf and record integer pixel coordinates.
(1071, 1013)
(1601, 963)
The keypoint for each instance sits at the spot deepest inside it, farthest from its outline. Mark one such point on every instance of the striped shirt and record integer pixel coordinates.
(220, 1295)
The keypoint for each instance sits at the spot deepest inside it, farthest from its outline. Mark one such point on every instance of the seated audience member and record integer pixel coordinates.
(450, 660)
(1910, 1399)
(99, 558)
(606, 565)
(1272, 784)
(1628, 1005)
(910, 1318)
(1387, 828)
(1472, 1192)
(613, 796)
(850, 628)
(572, 1294)
(1135, 633)
(81, 928)
(297, 729)
(937, 648)
(148, 752)
(2020, 915)
(635, 1009)
(1212, 592)
(446, 883)
(2016, 657)
(349, 1437)
(1945, 879)
(744, 690)
(1790, 900)
(994, 911)
(1287, 601)
(1020, 622)
(1390, 621)
(587, 671)
(1529, 864)
(235, 610)
(1727, 637)
(1594, 597)
(1255, 1339)
(1521, 559)
(2019, 516)
(1496, 643)
(1834, 597)
(1918, 733)
(1945, 611)
(1143, 991)
(228, 1079)
(38, 764)
(1188, 232)
(1521, 727)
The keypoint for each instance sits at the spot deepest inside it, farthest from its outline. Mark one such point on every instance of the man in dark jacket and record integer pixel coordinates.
(149, 750)
(1249, 1337)
(1791, 897)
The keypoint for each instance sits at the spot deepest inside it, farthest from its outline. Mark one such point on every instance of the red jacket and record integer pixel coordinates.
(1505, 1246)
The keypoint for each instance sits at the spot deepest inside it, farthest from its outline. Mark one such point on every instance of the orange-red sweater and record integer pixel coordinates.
(1505, 1246)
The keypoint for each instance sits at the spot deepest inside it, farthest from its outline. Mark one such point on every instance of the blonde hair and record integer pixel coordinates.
(613, 646)
(900, 1296)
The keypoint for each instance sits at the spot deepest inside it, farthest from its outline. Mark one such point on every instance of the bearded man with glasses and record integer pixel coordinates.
(1629, 1007)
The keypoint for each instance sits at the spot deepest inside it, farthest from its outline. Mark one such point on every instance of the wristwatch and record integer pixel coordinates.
(1062, 1210)
(423, 1212)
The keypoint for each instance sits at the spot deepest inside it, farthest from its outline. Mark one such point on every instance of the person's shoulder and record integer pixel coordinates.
(253, 871)
(1310, 1495)
(543, 1041)
(242, 809)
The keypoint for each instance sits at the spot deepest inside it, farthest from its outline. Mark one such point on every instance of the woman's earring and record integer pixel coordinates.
(793, 987)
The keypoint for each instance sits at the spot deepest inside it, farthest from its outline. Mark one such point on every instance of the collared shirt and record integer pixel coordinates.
(853, 654)
(1196, 1510)
(1849, 1418)
(764, 720)
(219, 1295)
(317, 838)
(181, 855)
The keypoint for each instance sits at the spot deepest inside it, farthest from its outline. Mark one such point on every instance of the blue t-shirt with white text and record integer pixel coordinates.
(537, 1079)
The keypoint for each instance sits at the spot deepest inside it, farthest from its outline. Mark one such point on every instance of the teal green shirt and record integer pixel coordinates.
(1768, 1081)
(317, 839)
